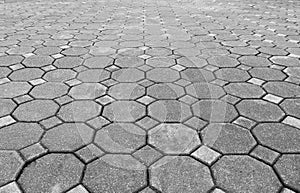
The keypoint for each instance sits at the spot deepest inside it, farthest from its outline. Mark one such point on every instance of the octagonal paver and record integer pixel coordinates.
(169, 111)
(37, 61)
(278, 136)
(10, 163)
(13, 89)
(7, 106)
(165, 91)
(267, 74)
(232, 75)
(223, 61)
(59, 75)
(205, 91)
(67, 137)
(123, 91)
(244, 90)
(124, 111)
(115, 173)
(228, 138)
(26, 74)
(98, 62)
(19, 135)
(174, 138)
(242, 173)
(82, 110)
(197, 75)
(68, 62)
(283, 89)
(120, 138)
(128, 75)
(291, 107)
(180, 174)
(95, 75)
(288, 167)
(129, 61)
(260, 110)
(49, 90)
(9, 60)
(35, 110)
(87, 91)
(51, 173)
(254, 61)
(162, 75)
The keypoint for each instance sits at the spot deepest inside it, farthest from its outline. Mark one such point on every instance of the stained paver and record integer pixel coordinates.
(149, 96)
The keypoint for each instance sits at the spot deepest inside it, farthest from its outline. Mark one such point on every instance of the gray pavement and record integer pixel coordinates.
(150, 96)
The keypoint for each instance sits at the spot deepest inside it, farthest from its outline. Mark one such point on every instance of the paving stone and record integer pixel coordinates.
(7, 106)
(37, 61)
(244, 50)
(254, 61)
(118, 173)
(174, 138)
(292, 121)
(273, 98)
(74, 51)
(5, 71)
(49, 90)
(267, 74)
(162, 75)
(102, 51)
(78, 189)
(214, 111)
(98, 62)
(256, 81)
(165, 91)
(11, 164)
(82, 110)
(147, 190)
(163, 62)
(197, 75)
(180, 174)
(147, 123)
(286, 190)
(9, 60)
(291, 107)
(244, 122)
(288, 169)
(169, 111)
(285, 60)
(205, 91)
(282, 89)
(260, 110)
(35, 110)
(89, 152)
(243, 173)
(128, 75)
(10, 188)
(37, 81)
(126, 91)
(68, 62)
(244, 90)
(33, 151)
(26, 74)
(124, 111)
(206, 154)
(228, 138)
(14, 89)
(232, 75)
(59, 75)
(48, 50)
(87, 91)
(223, 61)
(278, 136)
(51, 173)
(129, 61)
(120, 138)
(95, 75)
(265, 154)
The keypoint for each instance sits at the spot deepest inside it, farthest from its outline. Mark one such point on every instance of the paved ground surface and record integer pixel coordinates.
(150, 96)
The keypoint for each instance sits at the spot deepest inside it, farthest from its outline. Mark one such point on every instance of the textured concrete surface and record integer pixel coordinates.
(149, 96)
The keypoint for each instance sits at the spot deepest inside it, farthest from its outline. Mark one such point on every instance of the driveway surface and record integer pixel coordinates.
(150, 96)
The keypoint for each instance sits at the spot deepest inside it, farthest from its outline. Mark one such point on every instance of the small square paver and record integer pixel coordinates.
(28, 55)
(145, 68)
(244, 122)
(73, 82)
(4, 80)
(64, 100)
(33, 151)
(206, 154)
(188, 99)
(219, 82)
(10, 188)
(211, 68)
(145, 56)
(286, 190)
(51, 122)
(196, 123)
(218, 190)
(48, 68)
(256, 81)
(147, 123)
(265, 154)
(178, 67)
(37, 81)
(98, 122)
(65, 46)
(182, 82)
(273, 98)
(89, 152)
(230, 99)
(105, 100)
(292, 121)
(145, 83)
(16, 67)
(78, 189)
(146, 100)
(23, 99)
(7, 120)
(147, 190)
(56, 56)
(147, 155)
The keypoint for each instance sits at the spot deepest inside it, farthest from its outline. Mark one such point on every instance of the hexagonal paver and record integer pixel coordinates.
(82, 110)
(288, 167)
(228, 138)
(98, 62)
(260, 110)
(115, 173)
(7, 106)
(255, 61)
(223, 61)
(68, 137)
(278, 136)
(35, 110)
(162, 75)
(59, 75)
(165, 91)
(267, 74)
(197, 75)
(129, 61)
(174, 138)
(169, 111)
(124, 111)
(123, 91)
(241, 173)
(180, 174)
(37, 61)
(214, 111)
(283, 89)
(232, 74)
(244, 90)
(10, 163)
(51, 173)
(26, 74)
(128, 75)
(205, 91)
(49, 90)
(291, 107)
(87, 91)
(14, 89)
(19, 135)
(93, 75)
(68, 62)
(120, 138)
